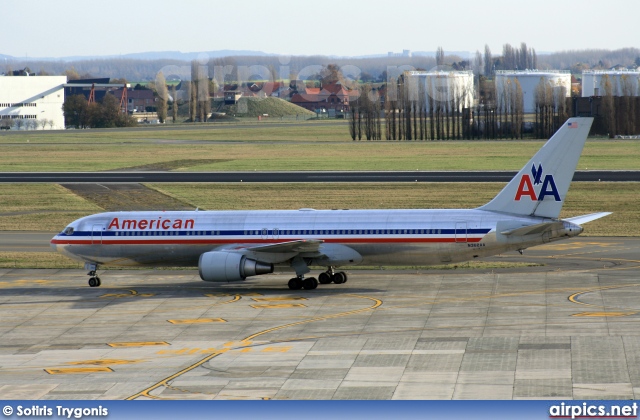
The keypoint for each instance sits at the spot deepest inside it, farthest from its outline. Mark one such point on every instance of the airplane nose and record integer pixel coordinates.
(54, 246)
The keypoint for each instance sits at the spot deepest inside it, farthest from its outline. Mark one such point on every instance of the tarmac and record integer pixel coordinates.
(568, 329)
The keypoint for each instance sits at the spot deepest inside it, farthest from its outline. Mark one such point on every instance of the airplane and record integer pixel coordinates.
(229, 246)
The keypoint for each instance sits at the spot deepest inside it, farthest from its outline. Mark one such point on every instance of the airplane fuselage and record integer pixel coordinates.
(380, 237)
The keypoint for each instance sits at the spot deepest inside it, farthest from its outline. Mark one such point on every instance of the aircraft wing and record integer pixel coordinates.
(579, 220)
(300, 246)
(322, 253)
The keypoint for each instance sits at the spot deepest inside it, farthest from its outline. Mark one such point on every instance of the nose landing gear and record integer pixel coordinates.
(94, 280)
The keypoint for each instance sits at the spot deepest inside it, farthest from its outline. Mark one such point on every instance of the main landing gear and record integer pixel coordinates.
(330, 276)
(300, 282)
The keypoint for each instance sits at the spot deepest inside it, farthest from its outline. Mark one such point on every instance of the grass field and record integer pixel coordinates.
(317, 145)
(91, 155)
(50, 208)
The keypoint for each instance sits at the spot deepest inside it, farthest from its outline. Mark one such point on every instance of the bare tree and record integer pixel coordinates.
(163, 97)
(488, 61)
(174, 106)
(440, 57)
(353, 120)
(608, 106)
(43, 123)
(51, 124)
(478, 64)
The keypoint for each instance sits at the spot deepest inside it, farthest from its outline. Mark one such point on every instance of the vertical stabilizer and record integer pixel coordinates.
(540, 188)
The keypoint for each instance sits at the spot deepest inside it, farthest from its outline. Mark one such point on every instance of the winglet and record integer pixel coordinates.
(540, 188)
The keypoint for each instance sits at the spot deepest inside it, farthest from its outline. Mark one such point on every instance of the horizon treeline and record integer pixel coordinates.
(370, 69)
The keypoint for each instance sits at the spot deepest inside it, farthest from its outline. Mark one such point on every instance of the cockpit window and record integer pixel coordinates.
(68, 231)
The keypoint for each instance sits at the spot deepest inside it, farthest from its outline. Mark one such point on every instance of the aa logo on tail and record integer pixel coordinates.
(527, 182)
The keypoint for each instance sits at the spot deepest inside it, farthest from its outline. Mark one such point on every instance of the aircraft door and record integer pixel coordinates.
(461, 232)
(96, 234)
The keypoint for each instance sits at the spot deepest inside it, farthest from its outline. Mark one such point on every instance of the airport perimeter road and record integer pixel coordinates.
(304, 176)
(567, 329)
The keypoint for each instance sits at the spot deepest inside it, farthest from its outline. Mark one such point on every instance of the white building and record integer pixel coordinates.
(529, 80)
(622, 82)
(32, 98)
(441, 86)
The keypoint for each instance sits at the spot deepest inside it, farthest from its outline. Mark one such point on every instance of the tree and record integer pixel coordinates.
(488, 61)
(43, 123)
(75, 110)
(51, 124)
(18, 123)
(331, 74)
(163, 97)
(478, 64)
(440, 57)
(72, 74)
(174, 106)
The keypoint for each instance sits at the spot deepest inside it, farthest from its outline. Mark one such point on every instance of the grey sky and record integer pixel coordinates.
(349, 27)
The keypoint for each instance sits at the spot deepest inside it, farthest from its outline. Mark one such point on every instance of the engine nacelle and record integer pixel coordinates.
(220, 266)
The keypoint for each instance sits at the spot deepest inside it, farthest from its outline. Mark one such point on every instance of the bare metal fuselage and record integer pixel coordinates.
(381, 237)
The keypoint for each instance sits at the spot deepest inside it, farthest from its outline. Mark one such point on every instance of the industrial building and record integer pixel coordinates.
(530, 80)
(621, 83)
(32, 99)
(438, 87)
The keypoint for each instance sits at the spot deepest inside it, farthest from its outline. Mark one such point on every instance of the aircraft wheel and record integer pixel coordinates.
(310, 283)
(295, 284)
(339, 278)
(324, 278)
(346, 277)
(99, 281)
(93, 282)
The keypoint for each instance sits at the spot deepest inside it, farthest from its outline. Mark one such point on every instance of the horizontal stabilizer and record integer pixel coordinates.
(580, 220)
(292, 246)
(533, 229)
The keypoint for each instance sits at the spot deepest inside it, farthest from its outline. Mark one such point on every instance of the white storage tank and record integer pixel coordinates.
(529, 80)
(441, 86)
(622, 82)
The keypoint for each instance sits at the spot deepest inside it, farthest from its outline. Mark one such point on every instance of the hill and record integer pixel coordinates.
(253, 107)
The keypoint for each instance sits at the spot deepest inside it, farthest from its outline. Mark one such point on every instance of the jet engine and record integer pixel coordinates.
(219, 266)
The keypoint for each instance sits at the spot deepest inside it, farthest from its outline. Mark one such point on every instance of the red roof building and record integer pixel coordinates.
(332, 96)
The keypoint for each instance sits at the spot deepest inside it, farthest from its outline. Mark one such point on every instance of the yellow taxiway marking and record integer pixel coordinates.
(279, 306)
(165, 382)
(195, 321)
(105, 362)
(605, 314)
(64, 371)
(578, 245)
(138, 344)
(277, 349)
(7, 284)
(132, 293)
(228, 294)
(277, 299)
